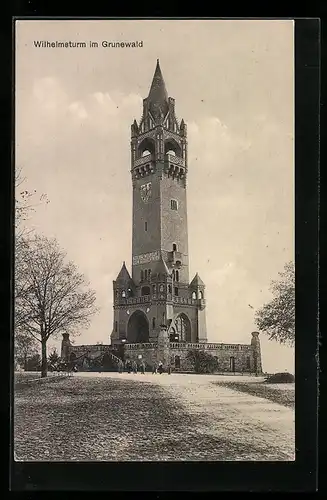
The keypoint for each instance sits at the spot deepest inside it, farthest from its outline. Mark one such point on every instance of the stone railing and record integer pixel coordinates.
(191, 345)
(175, 160)
(147, 345)
(133, 300)
(143, 160)
(193, 302)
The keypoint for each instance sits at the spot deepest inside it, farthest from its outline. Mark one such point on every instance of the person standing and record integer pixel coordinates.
(154, 369)
(134, 367)
(128, 366)
(160, 368)
(142, 367)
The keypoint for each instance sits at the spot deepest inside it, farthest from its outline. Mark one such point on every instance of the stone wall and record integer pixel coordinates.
(230, 357)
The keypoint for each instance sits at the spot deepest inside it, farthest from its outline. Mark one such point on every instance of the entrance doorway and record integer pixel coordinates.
(177, 362)
(138, 328)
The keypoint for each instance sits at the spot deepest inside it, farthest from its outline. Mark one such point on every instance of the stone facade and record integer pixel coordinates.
(158, 290)
(238, 358)
(159, 315)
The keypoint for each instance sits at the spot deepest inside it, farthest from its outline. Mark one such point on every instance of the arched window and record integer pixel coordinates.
(153, 323)
(174, 247)
(141, 275)
(173, 273)
(145, 290)
(200, 295)
(145, 274)
(177, 276)
(116, 326)
(123, 294)
(149, 274)
(193, 295)
(161, 288)
(176, 291)
(130, 292)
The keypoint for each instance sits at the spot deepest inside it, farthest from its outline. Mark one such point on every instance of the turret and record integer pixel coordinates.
(256, 351)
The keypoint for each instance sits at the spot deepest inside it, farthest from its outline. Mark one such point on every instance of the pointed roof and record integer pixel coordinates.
(197, 281)
(158, 96)
(123, 274)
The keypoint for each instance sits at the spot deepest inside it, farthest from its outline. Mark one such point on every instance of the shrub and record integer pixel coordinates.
(202, 362)
(280, 378)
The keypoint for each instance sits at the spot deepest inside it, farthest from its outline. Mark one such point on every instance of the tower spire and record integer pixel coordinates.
(158, 96)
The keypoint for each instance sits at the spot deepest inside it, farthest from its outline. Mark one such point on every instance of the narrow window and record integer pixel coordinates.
(177, 276)
(232, 364)
(176, 290)
(193, 295)
(169, 288)
(123, 294)
(145, 226)
(149, 274)
(154, 288)
(141, 275)
(173, 204)
(153, 323)
(146, 275)
(200, 295)
(174, 247)
(116, 326)
(173, 273)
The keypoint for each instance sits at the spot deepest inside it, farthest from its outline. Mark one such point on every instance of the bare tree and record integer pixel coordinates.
(51, 296)
(26, 202)
(277, 317)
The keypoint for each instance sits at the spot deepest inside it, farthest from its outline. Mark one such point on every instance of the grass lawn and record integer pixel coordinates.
(103, 419)
(283, 394)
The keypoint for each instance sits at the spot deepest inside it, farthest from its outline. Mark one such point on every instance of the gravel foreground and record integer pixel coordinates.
(128, 417)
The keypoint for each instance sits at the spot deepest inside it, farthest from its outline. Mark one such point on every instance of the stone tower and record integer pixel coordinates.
(158, 293)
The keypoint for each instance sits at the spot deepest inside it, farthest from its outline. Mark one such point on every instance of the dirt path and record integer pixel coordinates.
(262, 426)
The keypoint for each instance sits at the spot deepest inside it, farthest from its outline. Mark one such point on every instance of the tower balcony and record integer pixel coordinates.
(144, 160)
(171, 159)
(133, 300)
(200, 303)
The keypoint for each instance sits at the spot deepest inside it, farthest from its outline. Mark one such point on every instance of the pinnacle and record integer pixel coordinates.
(158, 96)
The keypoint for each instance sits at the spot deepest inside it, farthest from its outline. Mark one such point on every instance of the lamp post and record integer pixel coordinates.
(122, 349)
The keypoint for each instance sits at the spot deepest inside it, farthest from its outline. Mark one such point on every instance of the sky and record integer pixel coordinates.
(233, 85)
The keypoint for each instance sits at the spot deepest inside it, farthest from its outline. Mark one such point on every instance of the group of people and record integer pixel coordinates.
(132, 366)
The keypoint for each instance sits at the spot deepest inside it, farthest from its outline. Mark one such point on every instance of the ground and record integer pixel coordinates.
(122, 417)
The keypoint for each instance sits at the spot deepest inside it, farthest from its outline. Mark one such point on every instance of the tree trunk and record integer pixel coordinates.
(44, 364)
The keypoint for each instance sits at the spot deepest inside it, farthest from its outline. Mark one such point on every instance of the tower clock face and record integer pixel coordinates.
(146, 192)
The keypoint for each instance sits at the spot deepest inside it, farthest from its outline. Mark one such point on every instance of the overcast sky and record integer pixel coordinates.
(233, 85)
